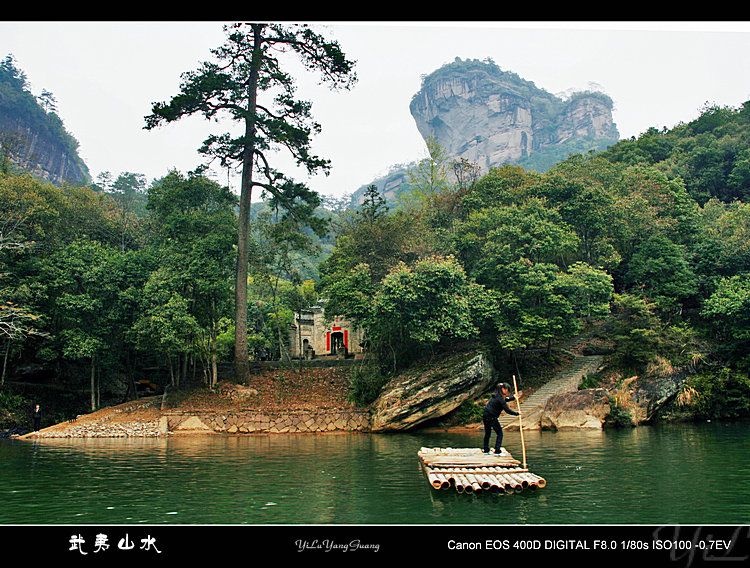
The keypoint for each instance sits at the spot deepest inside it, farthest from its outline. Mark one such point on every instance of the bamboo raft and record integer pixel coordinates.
(471, 471)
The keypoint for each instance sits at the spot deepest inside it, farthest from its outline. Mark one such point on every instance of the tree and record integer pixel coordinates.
(494, 238)
(728, 313)
(195, 223)
(635, 329)
(429, 177)
(81, 281)
(466, 173)
(377, 238)
(248, 66)
(47, 101)
(300, 297)
(417, 307)
(661, 269)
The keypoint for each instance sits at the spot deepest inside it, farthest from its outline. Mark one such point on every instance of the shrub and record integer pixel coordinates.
(591, 381)
(469, 412)
(366, 384)
(619, 417)
(14, 409)
(725, 394)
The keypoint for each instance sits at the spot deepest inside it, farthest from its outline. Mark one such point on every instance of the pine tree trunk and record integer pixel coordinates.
(5, 363)
(131, 378)
(93, 386)
(184, 367)
(518, 370)
(214, 369)
(241, 362)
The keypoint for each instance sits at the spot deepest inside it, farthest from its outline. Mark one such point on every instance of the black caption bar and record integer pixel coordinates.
(678, 546)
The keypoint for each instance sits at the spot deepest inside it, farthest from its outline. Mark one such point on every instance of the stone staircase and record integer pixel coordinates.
(566, 380)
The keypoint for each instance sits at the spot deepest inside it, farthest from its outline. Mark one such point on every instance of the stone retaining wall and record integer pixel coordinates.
(249, 422)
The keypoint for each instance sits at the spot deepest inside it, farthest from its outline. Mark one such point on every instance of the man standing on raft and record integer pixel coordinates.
(495, 406)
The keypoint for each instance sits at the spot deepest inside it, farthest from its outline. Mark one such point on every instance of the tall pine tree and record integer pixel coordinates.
(245, 68)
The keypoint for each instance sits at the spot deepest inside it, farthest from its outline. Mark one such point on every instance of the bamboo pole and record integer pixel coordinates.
(520, 421)
(444, 483)
(489, 470)
(459, 484)
(518, 479)
(434, 481)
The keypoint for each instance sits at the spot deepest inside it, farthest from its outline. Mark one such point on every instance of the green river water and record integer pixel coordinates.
(671, 474)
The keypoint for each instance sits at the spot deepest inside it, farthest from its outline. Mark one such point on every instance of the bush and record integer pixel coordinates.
(14, 410)
(366, 384)
(469, 412)
(591, 381)
(619, 417)
(725, 394)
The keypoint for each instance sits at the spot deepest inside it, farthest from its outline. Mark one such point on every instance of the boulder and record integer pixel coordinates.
(532, 420)
(430, 392)
(643, 396)
(192, 423)
(588, 408)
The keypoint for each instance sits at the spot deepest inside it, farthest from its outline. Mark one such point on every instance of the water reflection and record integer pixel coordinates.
(645, 475)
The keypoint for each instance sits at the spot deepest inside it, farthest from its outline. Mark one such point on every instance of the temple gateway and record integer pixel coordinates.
(310, 336)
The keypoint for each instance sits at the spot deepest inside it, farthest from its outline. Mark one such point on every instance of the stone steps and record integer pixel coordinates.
(566, 380)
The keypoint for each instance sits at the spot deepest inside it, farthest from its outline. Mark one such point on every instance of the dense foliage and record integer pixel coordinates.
(101, 286)
(635, 237)
(104, 286)
(711, 154)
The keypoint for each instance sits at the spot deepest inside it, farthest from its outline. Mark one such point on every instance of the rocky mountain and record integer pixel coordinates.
(32, 135)
(490, 117)
(479, 112)
(390, 185)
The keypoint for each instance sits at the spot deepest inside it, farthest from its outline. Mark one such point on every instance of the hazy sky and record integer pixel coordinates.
(106, 75)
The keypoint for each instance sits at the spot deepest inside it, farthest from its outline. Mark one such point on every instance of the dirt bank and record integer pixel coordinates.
(305, 400)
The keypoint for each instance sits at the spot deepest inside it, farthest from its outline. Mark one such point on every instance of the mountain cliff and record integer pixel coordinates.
(32, 135)
(479, 112)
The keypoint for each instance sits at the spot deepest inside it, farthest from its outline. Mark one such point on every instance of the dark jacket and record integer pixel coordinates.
(497, 404)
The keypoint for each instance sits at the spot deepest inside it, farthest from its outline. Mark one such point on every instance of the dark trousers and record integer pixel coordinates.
(492, 423)
(37, 423)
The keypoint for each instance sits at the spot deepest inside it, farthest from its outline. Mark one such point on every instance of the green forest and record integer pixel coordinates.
(646, 245)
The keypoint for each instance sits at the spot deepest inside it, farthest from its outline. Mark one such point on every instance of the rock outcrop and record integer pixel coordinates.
(424, 394)
(587, 408)
(42, 154)
(636, 401)
(479, 112)
(643, 396)
(32, 134)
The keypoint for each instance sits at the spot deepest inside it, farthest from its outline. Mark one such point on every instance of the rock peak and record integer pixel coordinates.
(489, 116)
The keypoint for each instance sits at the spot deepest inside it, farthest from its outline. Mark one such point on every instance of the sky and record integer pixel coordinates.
(106, 75)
